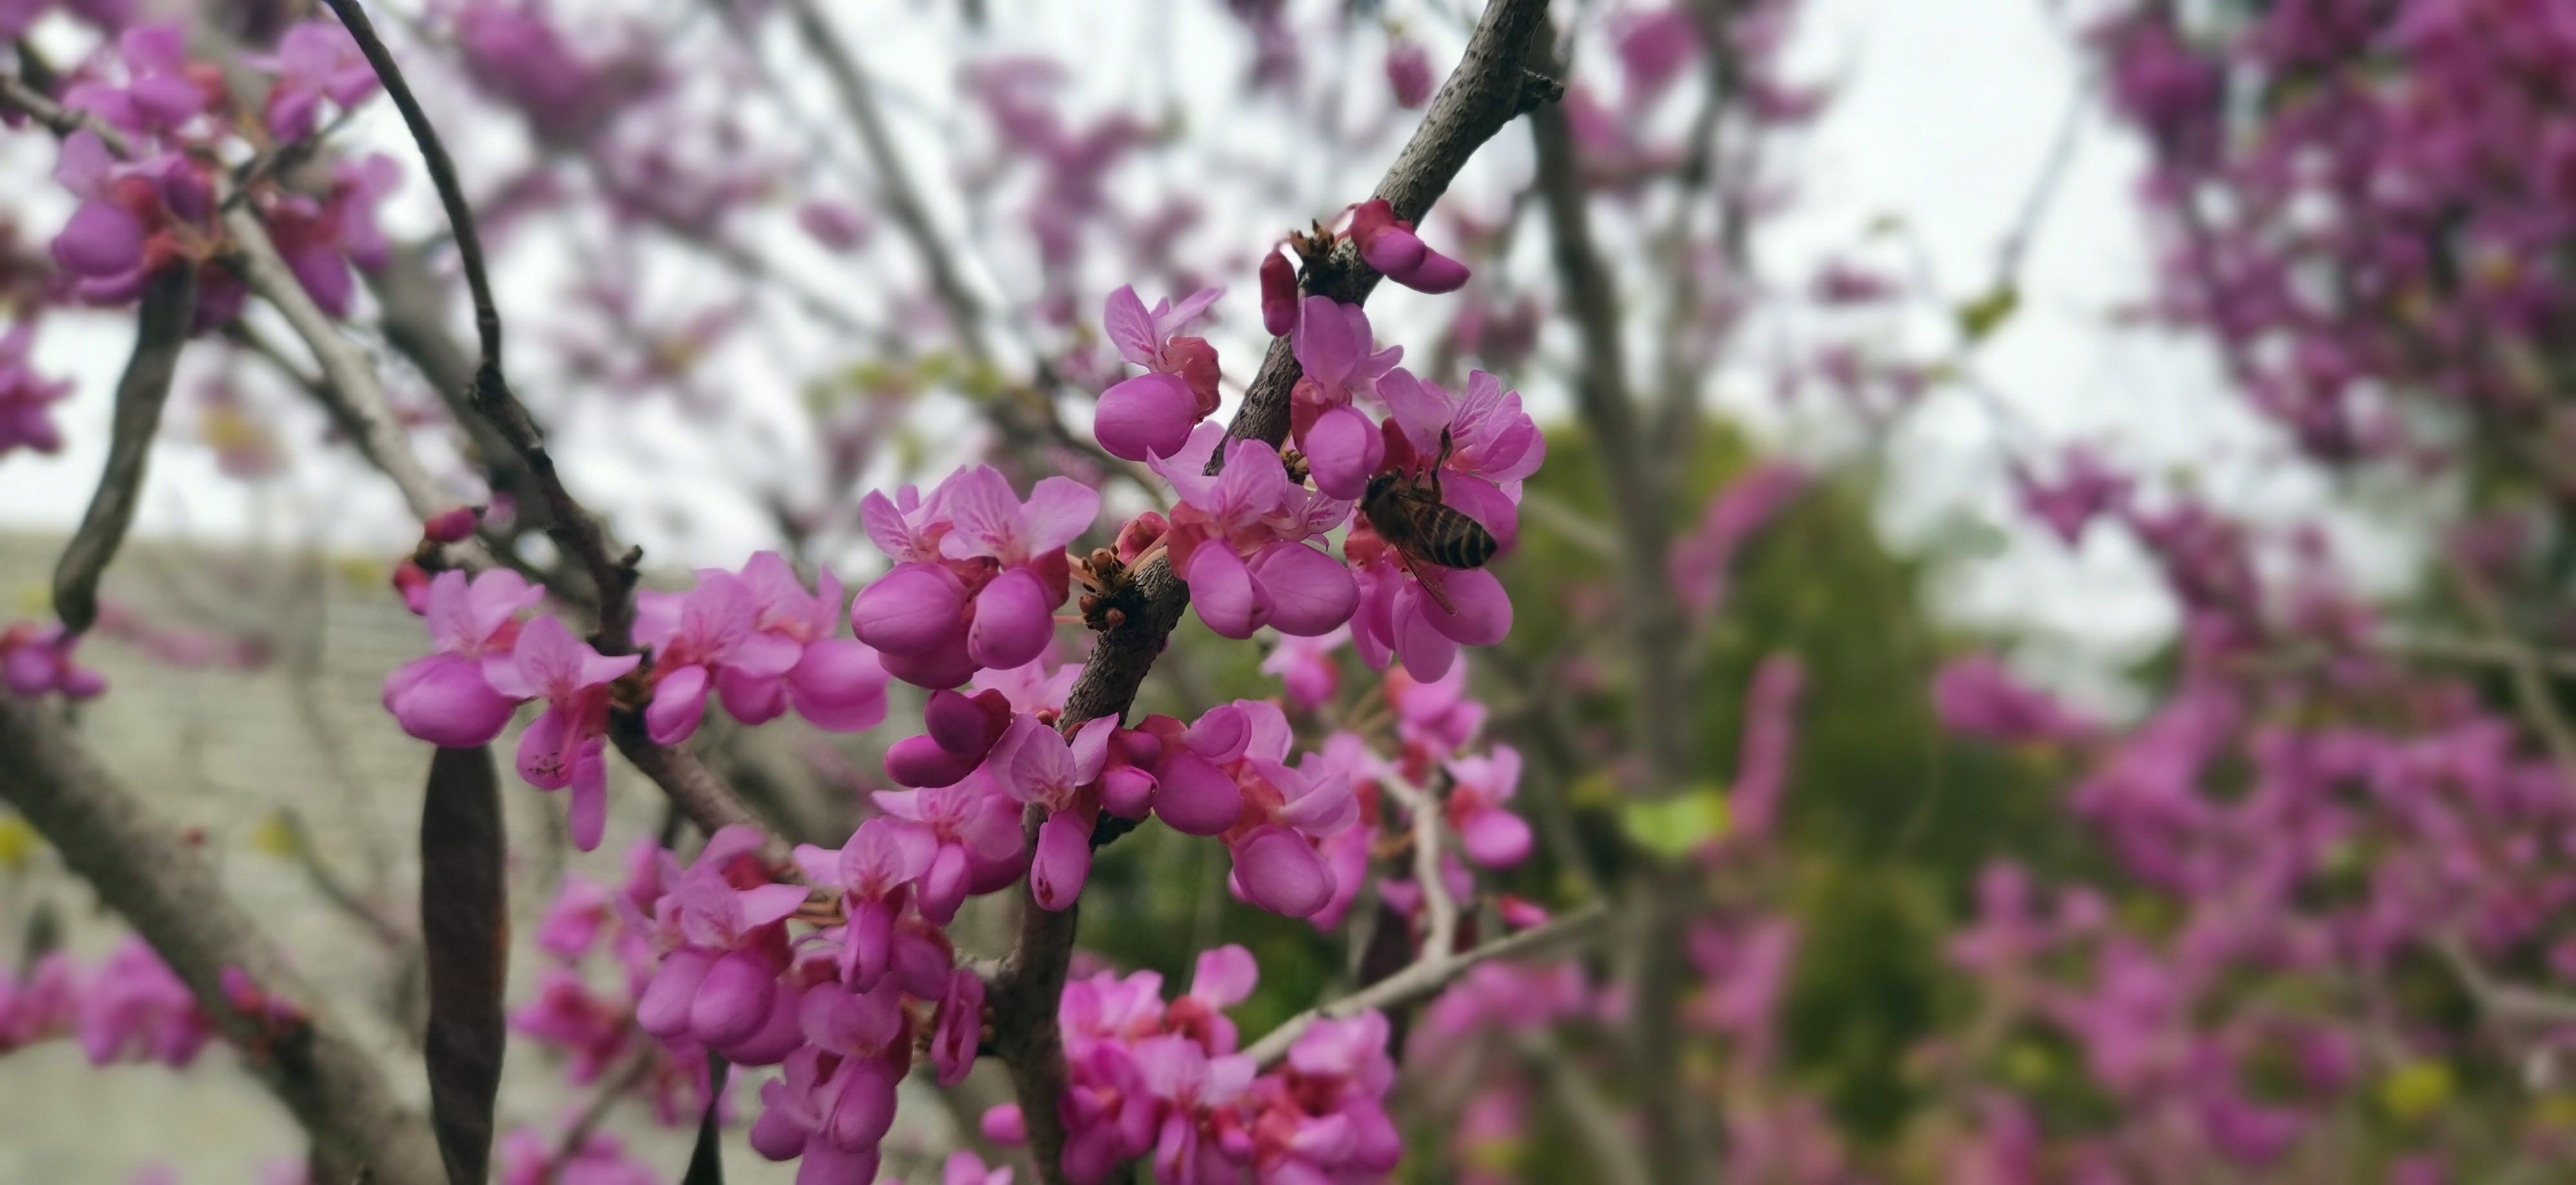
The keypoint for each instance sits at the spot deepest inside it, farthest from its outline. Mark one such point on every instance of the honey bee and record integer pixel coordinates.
(1409, 515)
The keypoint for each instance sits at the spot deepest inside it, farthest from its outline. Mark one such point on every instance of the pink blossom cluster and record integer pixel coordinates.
(1166, 1080)
(978, 574)
(26, 400)
(756, 638)
(1251, 541)
(129, 1008)
(37, 660)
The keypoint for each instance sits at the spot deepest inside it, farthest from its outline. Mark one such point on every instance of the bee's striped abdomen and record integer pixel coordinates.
(1453, 540)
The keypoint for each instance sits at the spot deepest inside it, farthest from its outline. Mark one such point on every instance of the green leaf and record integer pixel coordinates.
(1677, 826)
(1980, 318)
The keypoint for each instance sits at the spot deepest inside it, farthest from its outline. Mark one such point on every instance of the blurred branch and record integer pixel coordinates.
(160, 882)
(169, 310)
(903, 201)
(2531, 690)
(1593, 1117)
(1429, 975)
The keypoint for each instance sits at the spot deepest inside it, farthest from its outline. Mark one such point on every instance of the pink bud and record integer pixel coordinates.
(453, 526)
(1005, 1125)
(961, 725)
(1139, 534)
(1278, 294)
(921, 762)
(1436, 274)
(412, 585)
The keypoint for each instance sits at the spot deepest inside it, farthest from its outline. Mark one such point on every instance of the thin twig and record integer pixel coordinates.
(169, 310)
(1427, 976)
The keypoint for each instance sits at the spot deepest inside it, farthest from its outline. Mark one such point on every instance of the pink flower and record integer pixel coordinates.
(315, 60)
(1341, 444)
(163, 90)
(1306, 667)
(1977, 697)
(976, 827)
(2084, 490)
(713, 627)
(531, 1158)
(1388, 244)
(1282, 812)
(1221, 979)
(25, 421)
(1402, 611)
(564, 746)
(837, 684)
(837, 1100)
(1239, 539)
(1435, 716)
(1479, 786)
(135, 1009)
(1278, 294)
(1043, 768)
(874, 872)
(446, 698)
(978, 574)
(959, 1027)
(966, 1168)
(1703, 563)
(838, 228)
(1408, 74)
(46, 1005)
(129, 219)
(1192, 1087)
(35, 660)
(321, 238)
(1152, 413)
(1493, 445)
(719, 928)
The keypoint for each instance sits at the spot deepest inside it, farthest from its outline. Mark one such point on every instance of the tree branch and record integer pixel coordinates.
(162, 885)
(168, 311)
(1427, 976)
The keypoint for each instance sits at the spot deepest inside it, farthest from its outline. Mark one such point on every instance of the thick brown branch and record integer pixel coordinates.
(158, 881)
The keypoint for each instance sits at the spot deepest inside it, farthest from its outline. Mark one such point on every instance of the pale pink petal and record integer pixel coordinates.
(1483, 611)
(1059, 510)
(1280, 872)
(1225, 976)
(1147, 416)
(1343, 447)
(914, 609)
(1129, 327)
(679, 702)
(1063, 861)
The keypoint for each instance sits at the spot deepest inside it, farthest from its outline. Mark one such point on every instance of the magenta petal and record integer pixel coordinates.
(1127, 792)
(100, 240)
(779, 1134)
(1393, 251)
(921, 762)
(1223, 592)
(943, 887)
(961, 725)
(1280, 872)
(1063, 861)
(1486, 503)
(679, 702)
(546, 750)
(1342, 449)
(1495, 838)
(947, 666)
(1194, 797)
(1436, 273)
(825, 1164)
(444, 700)
(839, 686)
(868, 945)
(1149, 415)
(1483, 611)
(734, 999)
(1013, 621)
(865, 1109)
(1311, 593)
(586, 814)
(779, 1034)
(663, 1010)
(914, 609)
